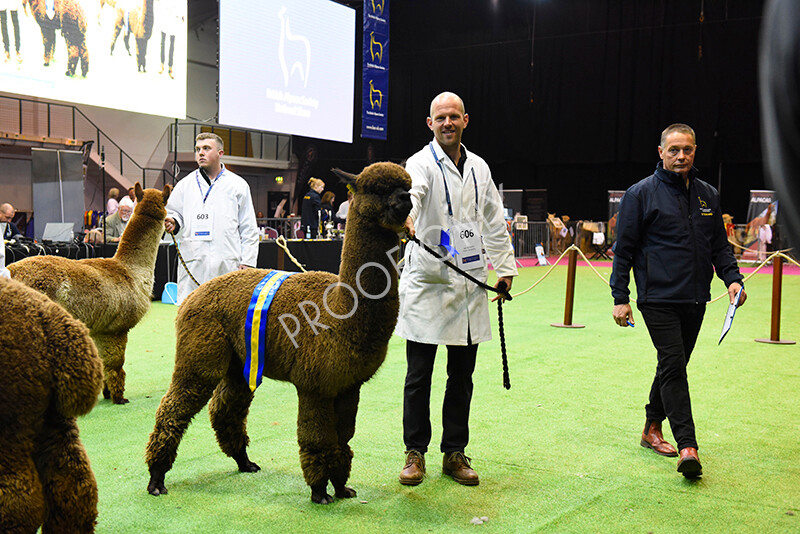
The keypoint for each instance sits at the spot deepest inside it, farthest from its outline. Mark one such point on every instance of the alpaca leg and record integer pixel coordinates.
(22, 505)
(84, 55)
(316, 435)
(141, 54)
(228, 410)
(72, 61)
(198, 370)
(112, 352)
(70, 488)
(346, 407)
(117, 29)
(49, 41)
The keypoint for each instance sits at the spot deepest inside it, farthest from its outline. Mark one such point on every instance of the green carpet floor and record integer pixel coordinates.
(558, 452)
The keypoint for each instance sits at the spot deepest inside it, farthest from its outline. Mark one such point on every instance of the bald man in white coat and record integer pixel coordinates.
(452, 190)
(213, 210)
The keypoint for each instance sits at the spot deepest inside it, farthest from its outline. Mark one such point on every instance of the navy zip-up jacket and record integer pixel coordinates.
(673, 238)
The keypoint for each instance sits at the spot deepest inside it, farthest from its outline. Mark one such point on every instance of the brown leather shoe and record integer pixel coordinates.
(652, 438)
(457, 466)
(689, 464)
(414, 471)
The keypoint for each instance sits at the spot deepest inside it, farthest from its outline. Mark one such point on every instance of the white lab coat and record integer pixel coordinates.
(234, 232)
(3, 271)
(170, 16)
(437, 305)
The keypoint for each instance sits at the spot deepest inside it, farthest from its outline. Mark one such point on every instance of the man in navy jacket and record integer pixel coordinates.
(670, 231)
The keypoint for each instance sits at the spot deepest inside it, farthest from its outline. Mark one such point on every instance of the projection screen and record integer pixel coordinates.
(287, 67)
(100, 52)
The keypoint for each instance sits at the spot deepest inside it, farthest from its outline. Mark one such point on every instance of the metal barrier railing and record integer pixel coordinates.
(525, 241)
(33, 119)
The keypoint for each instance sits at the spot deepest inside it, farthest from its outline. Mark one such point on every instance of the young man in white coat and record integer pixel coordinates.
(453, 199)
(213, 210)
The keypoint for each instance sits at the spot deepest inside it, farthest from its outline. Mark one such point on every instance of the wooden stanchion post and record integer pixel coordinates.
(570, 297)
(775, 326)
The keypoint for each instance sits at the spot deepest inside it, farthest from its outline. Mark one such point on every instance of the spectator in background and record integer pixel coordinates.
(326, 209)
(310, 208)
(112, 205)
(132, 195)
(7, 212)
(116, 223)
(341, 214)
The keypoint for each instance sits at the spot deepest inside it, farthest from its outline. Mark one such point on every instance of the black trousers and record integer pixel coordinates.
(4, 28)
(457, 396)
(673, 329)
(171, 47)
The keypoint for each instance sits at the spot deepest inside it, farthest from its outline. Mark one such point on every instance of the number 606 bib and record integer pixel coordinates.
(467, 242)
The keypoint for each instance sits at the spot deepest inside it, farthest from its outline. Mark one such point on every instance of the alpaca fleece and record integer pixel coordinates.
(140, 24)
(340, 343)
(50, 373)
(110, 295)
(70, 18)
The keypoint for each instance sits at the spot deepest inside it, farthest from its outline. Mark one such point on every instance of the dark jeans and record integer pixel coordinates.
(4, 27)
(457, 396)
(673, 329)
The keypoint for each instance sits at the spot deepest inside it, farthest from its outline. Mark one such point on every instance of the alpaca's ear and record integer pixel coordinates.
(137, 190)
(165, 193)
(346, 178)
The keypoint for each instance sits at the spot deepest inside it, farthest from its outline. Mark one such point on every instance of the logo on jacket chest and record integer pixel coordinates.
(705, 211)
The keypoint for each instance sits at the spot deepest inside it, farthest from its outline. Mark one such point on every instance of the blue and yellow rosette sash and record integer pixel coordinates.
(255, 328)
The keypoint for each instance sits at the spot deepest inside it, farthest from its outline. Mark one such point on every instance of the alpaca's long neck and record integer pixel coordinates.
(138, 246)
(369, 267)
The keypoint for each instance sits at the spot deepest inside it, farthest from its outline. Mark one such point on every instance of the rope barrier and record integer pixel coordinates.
(281, 242)
(777, 253)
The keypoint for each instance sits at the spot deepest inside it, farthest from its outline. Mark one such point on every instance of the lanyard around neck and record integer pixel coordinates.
(444, 180)
(210, 186)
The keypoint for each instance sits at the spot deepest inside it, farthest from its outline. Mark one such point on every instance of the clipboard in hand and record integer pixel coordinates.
(729, 315)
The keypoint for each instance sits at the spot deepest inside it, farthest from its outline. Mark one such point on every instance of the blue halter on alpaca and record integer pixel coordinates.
(256, 338)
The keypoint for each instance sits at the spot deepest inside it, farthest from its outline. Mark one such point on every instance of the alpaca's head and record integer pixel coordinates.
(151, 202)
(381, 195)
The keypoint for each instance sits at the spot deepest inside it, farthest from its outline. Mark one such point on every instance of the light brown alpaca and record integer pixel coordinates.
(140, 24)
(110, 295)
(318, 338)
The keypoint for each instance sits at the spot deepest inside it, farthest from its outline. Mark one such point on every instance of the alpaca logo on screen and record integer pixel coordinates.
(297, 49)
(377, 7)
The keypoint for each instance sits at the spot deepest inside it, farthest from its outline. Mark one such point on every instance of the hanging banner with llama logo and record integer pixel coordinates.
(375, 70)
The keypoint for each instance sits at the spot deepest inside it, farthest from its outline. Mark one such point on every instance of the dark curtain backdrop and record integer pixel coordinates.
(571, 95)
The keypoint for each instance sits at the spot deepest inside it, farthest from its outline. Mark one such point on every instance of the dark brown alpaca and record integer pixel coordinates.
(49, 375)
(140, 24)
(70, 18)
(326, 334)
(110, 295)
